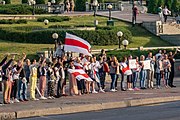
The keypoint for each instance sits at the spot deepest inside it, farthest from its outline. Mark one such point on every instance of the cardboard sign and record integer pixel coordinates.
(132, 64)
(147, 64)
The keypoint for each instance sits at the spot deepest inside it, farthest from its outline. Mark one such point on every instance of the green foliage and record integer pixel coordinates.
(70, 26)
(173, 5)
(41, 36)
(80, 5)
(40, 1)
(7, 1)
(24, 1)
(54, 19)
(121, 53)
(160, 3)
(19, 9)
(152, 6)
(13, 21)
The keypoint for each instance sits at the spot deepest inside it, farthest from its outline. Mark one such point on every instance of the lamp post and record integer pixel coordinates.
(33, 3)
(46, 22)
(95, 4)
(53, 3)
(125, 43)
(119, 34)
(55, 37)
(109, 8)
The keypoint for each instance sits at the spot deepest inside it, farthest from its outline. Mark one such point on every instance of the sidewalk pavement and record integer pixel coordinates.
(90, 102)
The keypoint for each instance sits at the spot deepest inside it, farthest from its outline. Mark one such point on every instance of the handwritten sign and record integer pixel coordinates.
(132, 64)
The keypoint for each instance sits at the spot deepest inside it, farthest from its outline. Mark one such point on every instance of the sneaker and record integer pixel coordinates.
(112, 90)
(53, 97)
(11, 101)
(49, 97)
(16, 100)
(94, 91)
(130, 89)
(43, 98)
(136, 88)
(101, 91)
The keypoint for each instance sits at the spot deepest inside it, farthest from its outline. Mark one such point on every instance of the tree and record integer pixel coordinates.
(160, 3)
(175, 6)
(152, 6)
(168, 3)
(7, 1)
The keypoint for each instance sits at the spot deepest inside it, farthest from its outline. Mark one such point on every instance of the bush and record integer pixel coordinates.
(54, 19)
(121, 53)
(96, 37)
(13, 21)
(70, 26)
(7, 1)
(19, 9)
(80, 5)
(40, 1)
(24, 1)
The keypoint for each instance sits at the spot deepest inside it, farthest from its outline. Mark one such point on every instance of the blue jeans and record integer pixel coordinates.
(22, 90)
(158, 79)
(122, 82)
(166, 78)
(102, 79)
(113, 78)
(142, 78)
(135, 77)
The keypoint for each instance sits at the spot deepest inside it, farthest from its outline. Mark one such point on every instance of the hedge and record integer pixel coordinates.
(80, 5)
(97, 37)
(19, 9)
(10, 21)
(121, 53)
(54, 19)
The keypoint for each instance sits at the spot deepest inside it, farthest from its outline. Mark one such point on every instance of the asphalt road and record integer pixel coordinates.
(164, 111)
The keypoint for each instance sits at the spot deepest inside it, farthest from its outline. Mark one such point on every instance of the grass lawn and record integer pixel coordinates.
(141, 37)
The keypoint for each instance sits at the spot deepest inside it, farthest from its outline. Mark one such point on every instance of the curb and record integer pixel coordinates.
(85, 108)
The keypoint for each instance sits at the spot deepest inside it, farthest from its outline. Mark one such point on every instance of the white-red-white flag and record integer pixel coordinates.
(77, 44)
(79, 74)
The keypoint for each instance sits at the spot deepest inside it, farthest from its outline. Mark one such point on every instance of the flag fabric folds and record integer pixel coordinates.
(76, 44)
(79, 74)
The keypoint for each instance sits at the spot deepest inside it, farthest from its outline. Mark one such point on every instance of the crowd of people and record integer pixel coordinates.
(52, 75)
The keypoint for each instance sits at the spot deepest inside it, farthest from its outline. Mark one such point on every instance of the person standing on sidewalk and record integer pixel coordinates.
(113, 67)
(5, 78)
(136, 74)
(42, 80)
(15, 82)
(150, 72)
(167, 68)
(143, 73)
(27, 70)
(33, 80)
(159, 68)
(51, 78)
(22, 87)
(172, 61)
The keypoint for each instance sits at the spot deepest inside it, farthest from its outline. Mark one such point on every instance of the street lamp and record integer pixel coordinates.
(119, 34)
(95, 4)
(109, 8)
(53, 3)
(33, 2)
(55, 37)
(46, 21)
(125, 43)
